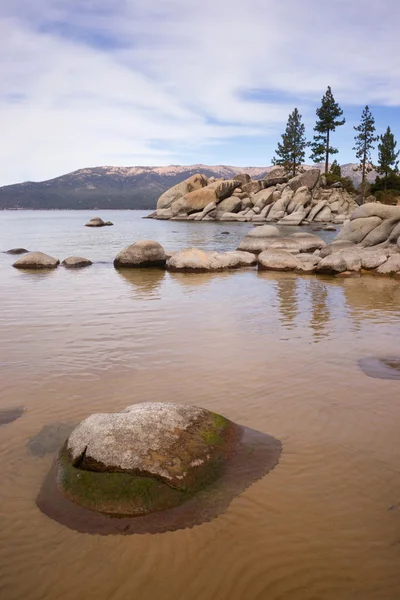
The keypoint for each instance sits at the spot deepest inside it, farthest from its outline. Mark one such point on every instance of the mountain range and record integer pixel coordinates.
(120, 187)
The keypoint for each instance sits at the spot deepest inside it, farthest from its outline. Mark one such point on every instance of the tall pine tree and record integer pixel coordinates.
(328, 119)
(364, 143)
(291, 151)
(387, 155)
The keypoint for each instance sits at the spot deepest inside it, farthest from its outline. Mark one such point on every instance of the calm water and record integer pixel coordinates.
(276, 353)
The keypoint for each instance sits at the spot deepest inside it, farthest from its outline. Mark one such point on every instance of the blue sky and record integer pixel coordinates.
(98, 82)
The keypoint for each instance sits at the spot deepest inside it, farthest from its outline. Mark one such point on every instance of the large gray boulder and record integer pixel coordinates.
(242, 178)
(277, 260)
(230, 205)
(309, 178)
(195, 260)
(381, 233)
(147, 458)
(263, 198)
(259, 239)
(308, 242)
(332, 264)
(224, 189)
(391, 266)
(194, 201)
(383, 211)
(356, 230)
(143, 253)
(36, 260)
(181, 189)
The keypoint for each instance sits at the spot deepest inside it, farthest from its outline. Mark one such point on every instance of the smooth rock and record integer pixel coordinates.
(16, 251)
(230, 205)
(391, 266)
(181, 189)
(76, 262)
(36, 260)
(309, 178)
(194, 201)
(277, 260)
(143, 253)
(357, 229)
(259, 239)
(334, 263)
(95, 222)
(242, 178)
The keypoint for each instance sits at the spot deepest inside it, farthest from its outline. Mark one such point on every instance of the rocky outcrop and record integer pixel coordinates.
(76, 262)
(96, 222)
(36, 260)
(147, 458)
(143, 253)
(372, 224)
(277, 198)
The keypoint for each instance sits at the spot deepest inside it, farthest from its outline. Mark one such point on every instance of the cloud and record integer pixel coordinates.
(88, 82)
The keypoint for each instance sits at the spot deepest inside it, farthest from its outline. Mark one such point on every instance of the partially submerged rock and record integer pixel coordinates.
(16, 251)
(95, 222)
(143, 253)
(36, 260)
(149, 457)
(195, 260)
(8, 415)
(157, 467)
(385, 367)
(76, 262)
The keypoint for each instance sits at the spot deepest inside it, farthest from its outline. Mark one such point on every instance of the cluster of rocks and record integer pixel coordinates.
(40, 260)
(298, 200)
(368, 241)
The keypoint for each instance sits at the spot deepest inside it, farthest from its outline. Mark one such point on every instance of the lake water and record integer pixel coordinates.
(275, 352)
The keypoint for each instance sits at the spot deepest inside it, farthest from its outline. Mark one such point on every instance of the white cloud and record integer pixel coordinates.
(86, 82)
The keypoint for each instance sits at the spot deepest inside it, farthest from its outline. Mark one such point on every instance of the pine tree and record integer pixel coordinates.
(291, 151)
(335, 169)
(387, 155)
(364, 143)
(328, 119)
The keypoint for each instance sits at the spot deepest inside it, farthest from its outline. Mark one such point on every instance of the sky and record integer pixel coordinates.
(86, 83)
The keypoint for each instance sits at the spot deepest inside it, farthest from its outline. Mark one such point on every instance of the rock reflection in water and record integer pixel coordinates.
(257, 454)
(145, 282)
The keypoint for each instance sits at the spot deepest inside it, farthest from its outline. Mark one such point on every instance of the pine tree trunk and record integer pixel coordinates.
(327, 152)
(364, 160)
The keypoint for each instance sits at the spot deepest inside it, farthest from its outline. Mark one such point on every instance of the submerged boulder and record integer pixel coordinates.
(16, 251)
(149, 457)
(76, 262)
(36, 260)
(96, 222)
(143, 253)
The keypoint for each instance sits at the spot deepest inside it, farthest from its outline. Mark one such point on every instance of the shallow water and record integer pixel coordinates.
(274, 352)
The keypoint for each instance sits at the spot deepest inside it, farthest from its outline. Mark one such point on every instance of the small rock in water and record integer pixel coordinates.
(225, 232)
(8, 415)
(16, 251)
(95, 222)
(108, 224)
(76, 262)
